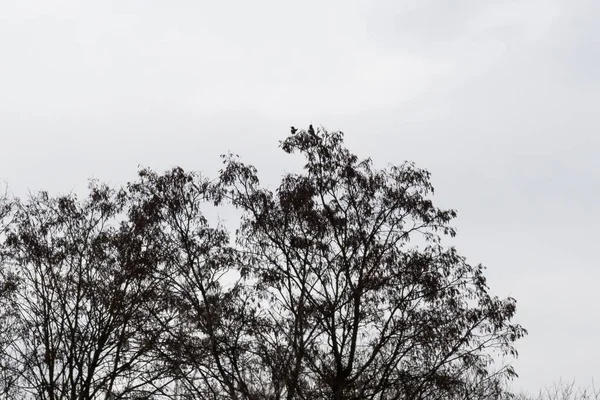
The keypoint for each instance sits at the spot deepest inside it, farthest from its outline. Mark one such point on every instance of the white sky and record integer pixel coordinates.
(498, 99)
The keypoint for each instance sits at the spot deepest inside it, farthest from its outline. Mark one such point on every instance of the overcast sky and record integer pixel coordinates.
(498, 99)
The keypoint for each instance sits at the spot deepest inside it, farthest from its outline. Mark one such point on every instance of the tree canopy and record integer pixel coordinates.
(337, 285)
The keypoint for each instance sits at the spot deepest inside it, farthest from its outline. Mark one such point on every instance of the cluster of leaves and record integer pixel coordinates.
(132, 293)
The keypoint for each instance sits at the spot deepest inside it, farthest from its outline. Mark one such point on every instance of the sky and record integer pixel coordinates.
(497, 99)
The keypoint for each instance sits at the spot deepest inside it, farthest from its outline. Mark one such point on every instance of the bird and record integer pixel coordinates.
(311, 130)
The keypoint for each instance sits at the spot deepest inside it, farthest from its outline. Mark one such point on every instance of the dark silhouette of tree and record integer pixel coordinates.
(8, 287)
(84, 291)
(346, 307)
(204, 312)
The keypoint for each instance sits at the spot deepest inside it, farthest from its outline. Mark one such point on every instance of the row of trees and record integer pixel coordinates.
(563, 391)
(133, 293)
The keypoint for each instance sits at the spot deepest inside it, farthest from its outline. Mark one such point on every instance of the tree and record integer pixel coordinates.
(346, 307)
(82, 296)
(203, 313)
(8, 286)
